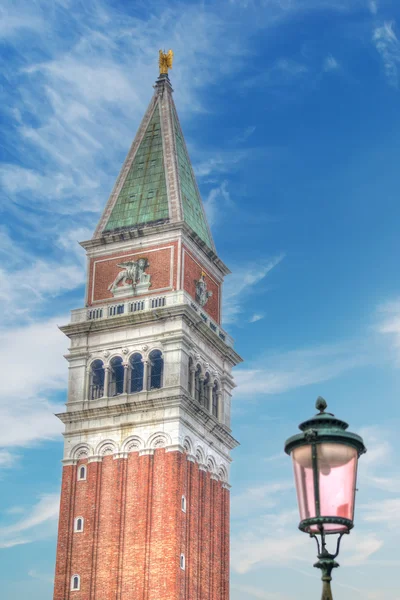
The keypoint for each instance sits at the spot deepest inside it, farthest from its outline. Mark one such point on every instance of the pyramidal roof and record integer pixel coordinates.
(157, 184)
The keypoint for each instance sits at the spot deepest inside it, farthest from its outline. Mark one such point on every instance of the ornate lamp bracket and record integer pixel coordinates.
(326, 562)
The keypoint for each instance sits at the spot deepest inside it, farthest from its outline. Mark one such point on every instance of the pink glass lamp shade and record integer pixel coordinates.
(325, 458)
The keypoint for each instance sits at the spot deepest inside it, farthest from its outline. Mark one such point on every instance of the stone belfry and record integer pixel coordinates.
(144, 509)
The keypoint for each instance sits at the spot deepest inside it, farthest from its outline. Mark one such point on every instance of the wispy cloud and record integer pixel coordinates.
(217, 203)
(242, 283)
(386, 512)
(32, 366)
(239, 139)
(7, 459)
(15, 18)
(256, 317)
(388, 46)
(361, 547)
(40, 576)
(373, 6)
(377, 469)
(26, 283)
(283, 72)
(258, 498)
(389, 324)
(37, 524)
(219, 163)
(298, 368)
(330, 63)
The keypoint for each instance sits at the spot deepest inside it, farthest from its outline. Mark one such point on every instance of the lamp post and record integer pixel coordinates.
(325, 458)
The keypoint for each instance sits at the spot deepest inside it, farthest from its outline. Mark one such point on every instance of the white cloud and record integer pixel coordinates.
(373, 6)
(69, 242)
(253, 550)
(37, 524)
(15, 18)
(385, 511)
(40, 576)
(6, 459)
(389, 325)
(360, 547)
(256, 317)
(379, 448)
(258, 498)
(290, 67)
(245, 135)
(242, 283)
(49, 189)
(217, 203)
(31, 367)
(298, 368)
(330, 63)
(27, 284)
(264, 531)
(38, 280)
(388, 46)
(283, 72)
(219, 163)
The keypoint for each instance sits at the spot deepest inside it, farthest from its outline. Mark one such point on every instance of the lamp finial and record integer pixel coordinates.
(321, 404)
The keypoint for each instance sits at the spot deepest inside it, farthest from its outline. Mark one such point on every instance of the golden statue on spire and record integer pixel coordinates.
(165, 61)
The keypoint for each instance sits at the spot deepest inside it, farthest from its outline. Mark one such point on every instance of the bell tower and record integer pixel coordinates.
(144, 509)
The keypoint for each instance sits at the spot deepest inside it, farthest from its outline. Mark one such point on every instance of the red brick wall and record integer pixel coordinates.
(103, 270)
(135, 531)
(61, 585)
(192, 270)
(81, 542)
(193, 530)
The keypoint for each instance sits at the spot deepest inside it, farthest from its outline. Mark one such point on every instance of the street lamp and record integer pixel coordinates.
(325, 458)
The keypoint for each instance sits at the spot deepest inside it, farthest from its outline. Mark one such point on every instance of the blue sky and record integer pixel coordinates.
(290, 109)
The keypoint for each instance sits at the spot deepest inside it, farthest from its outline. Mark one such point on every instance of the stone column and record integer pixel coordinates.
(201, 379)
(87, 383)
(106, 380)
(220, 407)
(126, 378)
(209, 395)
(192, 380)
(145, 373)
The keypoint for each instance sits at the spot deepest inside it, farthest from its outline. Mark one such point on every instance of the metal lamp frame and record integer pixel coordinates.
(324, 428)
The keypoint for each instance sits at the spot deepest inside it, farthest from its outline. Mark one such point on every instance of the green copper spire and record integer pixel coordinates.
(143, 196)
(156, 184)
(193, 212)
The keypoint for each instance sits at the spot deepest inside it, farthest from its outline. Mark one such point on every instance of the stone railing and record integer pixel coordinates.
(125, 307)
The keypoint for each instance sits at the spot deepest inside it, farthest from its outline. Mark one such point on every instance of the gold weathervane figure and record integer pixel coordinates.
(165, 61)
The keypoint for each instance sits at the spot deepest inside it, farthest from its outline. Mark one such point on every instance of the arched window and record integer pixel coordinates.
(136, 373)
(190, 376)
(81, 473)
(183, 504)
(215, 399)
(197, 384)
(75, 583)
(78, 524)
(156, 368)
(204, 390)
(116, 383)
(96, 387)
(182, 562)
